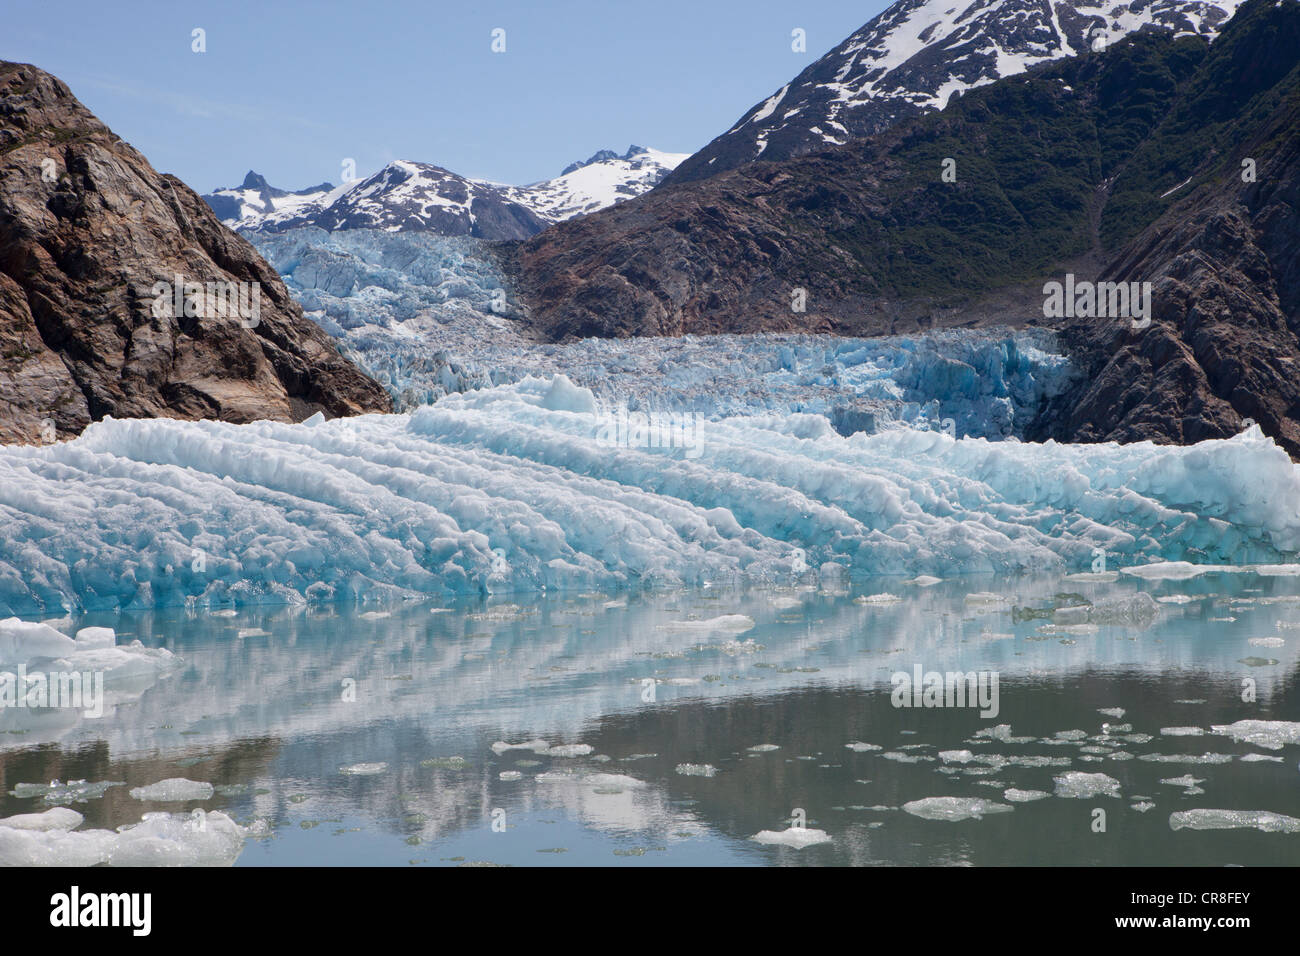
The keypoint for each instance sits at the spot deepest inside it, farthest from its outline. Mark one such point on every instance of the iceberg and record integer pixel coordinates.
(494, 491)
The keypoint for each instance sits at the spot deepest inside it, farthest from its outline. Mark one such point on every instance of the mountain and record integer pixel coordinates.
(256, 197)
(418, 197)
(1121, 164)
(917, 54)
(89, 235)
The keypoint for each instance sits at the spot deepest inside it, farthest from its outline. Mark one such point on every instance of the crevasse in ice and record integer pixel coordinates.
(528, 486)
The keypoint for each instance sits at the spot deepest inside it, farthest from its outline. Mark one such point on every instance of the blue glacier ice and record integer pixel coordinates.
(528, 486)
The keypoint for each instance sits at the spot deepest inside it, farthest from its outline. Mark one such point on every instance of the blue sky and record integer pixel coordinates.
(291, 88)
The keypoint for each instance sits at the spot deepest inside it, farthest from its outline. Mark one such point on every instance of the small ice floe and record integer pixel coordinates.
(696, 769)
(736, 623)
(954, 808)
(56, 818)
(1079, 785)
(1024, 796)
(899, 757)
(1173, 570)
(785, 602)
(1209, 758)
(762, 748)
(1266, 642)
(1189, 700)
(797, 837)
(374, 615)
(1182, 731)
(251, 632)
(537, 746)
(1269, 734)
(74, 791)
(877, 599)
(1142, 806)
(567, 750)
(924, 581)
(986, 599)
(1116, 712)
(173, 789)
(858, 746)
(364, 769)
(159, 839)
(1264, 820)
(1259, 758)
(1187, 782)
(1001, 733)
(509, 775)
(1177, 599)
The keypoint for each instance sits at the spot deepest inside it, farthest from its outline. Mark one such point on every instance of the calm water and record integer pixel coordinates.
(637, 697)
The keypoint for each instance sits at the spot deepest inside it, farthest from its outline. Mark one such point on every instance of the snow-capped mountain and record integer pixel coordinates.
(918, 53)
(603, 180)
(407, 196)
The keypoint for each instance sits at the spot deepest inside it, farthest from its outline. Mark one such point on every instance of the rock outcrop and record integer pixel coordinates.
(92, 240)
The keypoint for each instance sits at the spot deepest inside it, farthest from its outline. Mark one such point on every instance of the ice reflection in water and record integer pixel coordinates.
(668, 729)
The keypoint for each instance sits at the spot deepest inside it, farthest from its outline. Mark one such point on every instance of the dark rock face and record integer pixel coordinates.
(87, 231)
(915, 54)
(1121, 166)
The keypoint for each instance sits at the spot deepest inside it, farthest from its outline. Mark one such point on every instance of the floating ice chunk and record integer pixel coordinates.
(537, 746)
(696, 769)
(56, 818)
(924, 581)
(1142, 806)
(26, 640)
(1002, 733)
(738, 623)
(1266, 642)
(987, 599)
(858, 746)
(1182, 731)
(245, 632)
(74, 791)
(1176, 599)
(173, 789)
(1187, 781)
(1024, 796)
(762, 748)
(877, 599)
(364, 769)
(567, 750)
(1264, 820)
(797, 837)
(954, 808)
(160, 839)
(1079, 785)
(1173, 570)
(509, 775)
(1116, 712)
(1210, 758)
(1259, 758)
(91, 638)
(1269, 734)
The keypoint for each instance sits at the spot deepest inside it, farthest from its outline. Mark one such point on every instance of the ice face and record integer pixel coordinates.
(494, 491)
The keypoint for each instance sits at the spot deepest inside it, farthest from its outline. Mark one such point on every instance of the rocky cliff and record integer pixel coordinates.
(92, 243)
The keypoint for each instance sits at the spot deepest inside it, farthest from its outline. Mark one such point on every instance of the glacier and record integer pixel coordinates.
(428, 316)
(525, 487)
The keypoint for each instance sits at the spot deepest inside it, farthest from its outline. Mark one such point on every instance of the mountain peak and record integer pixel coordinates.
(255, 181)
(917, 54)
